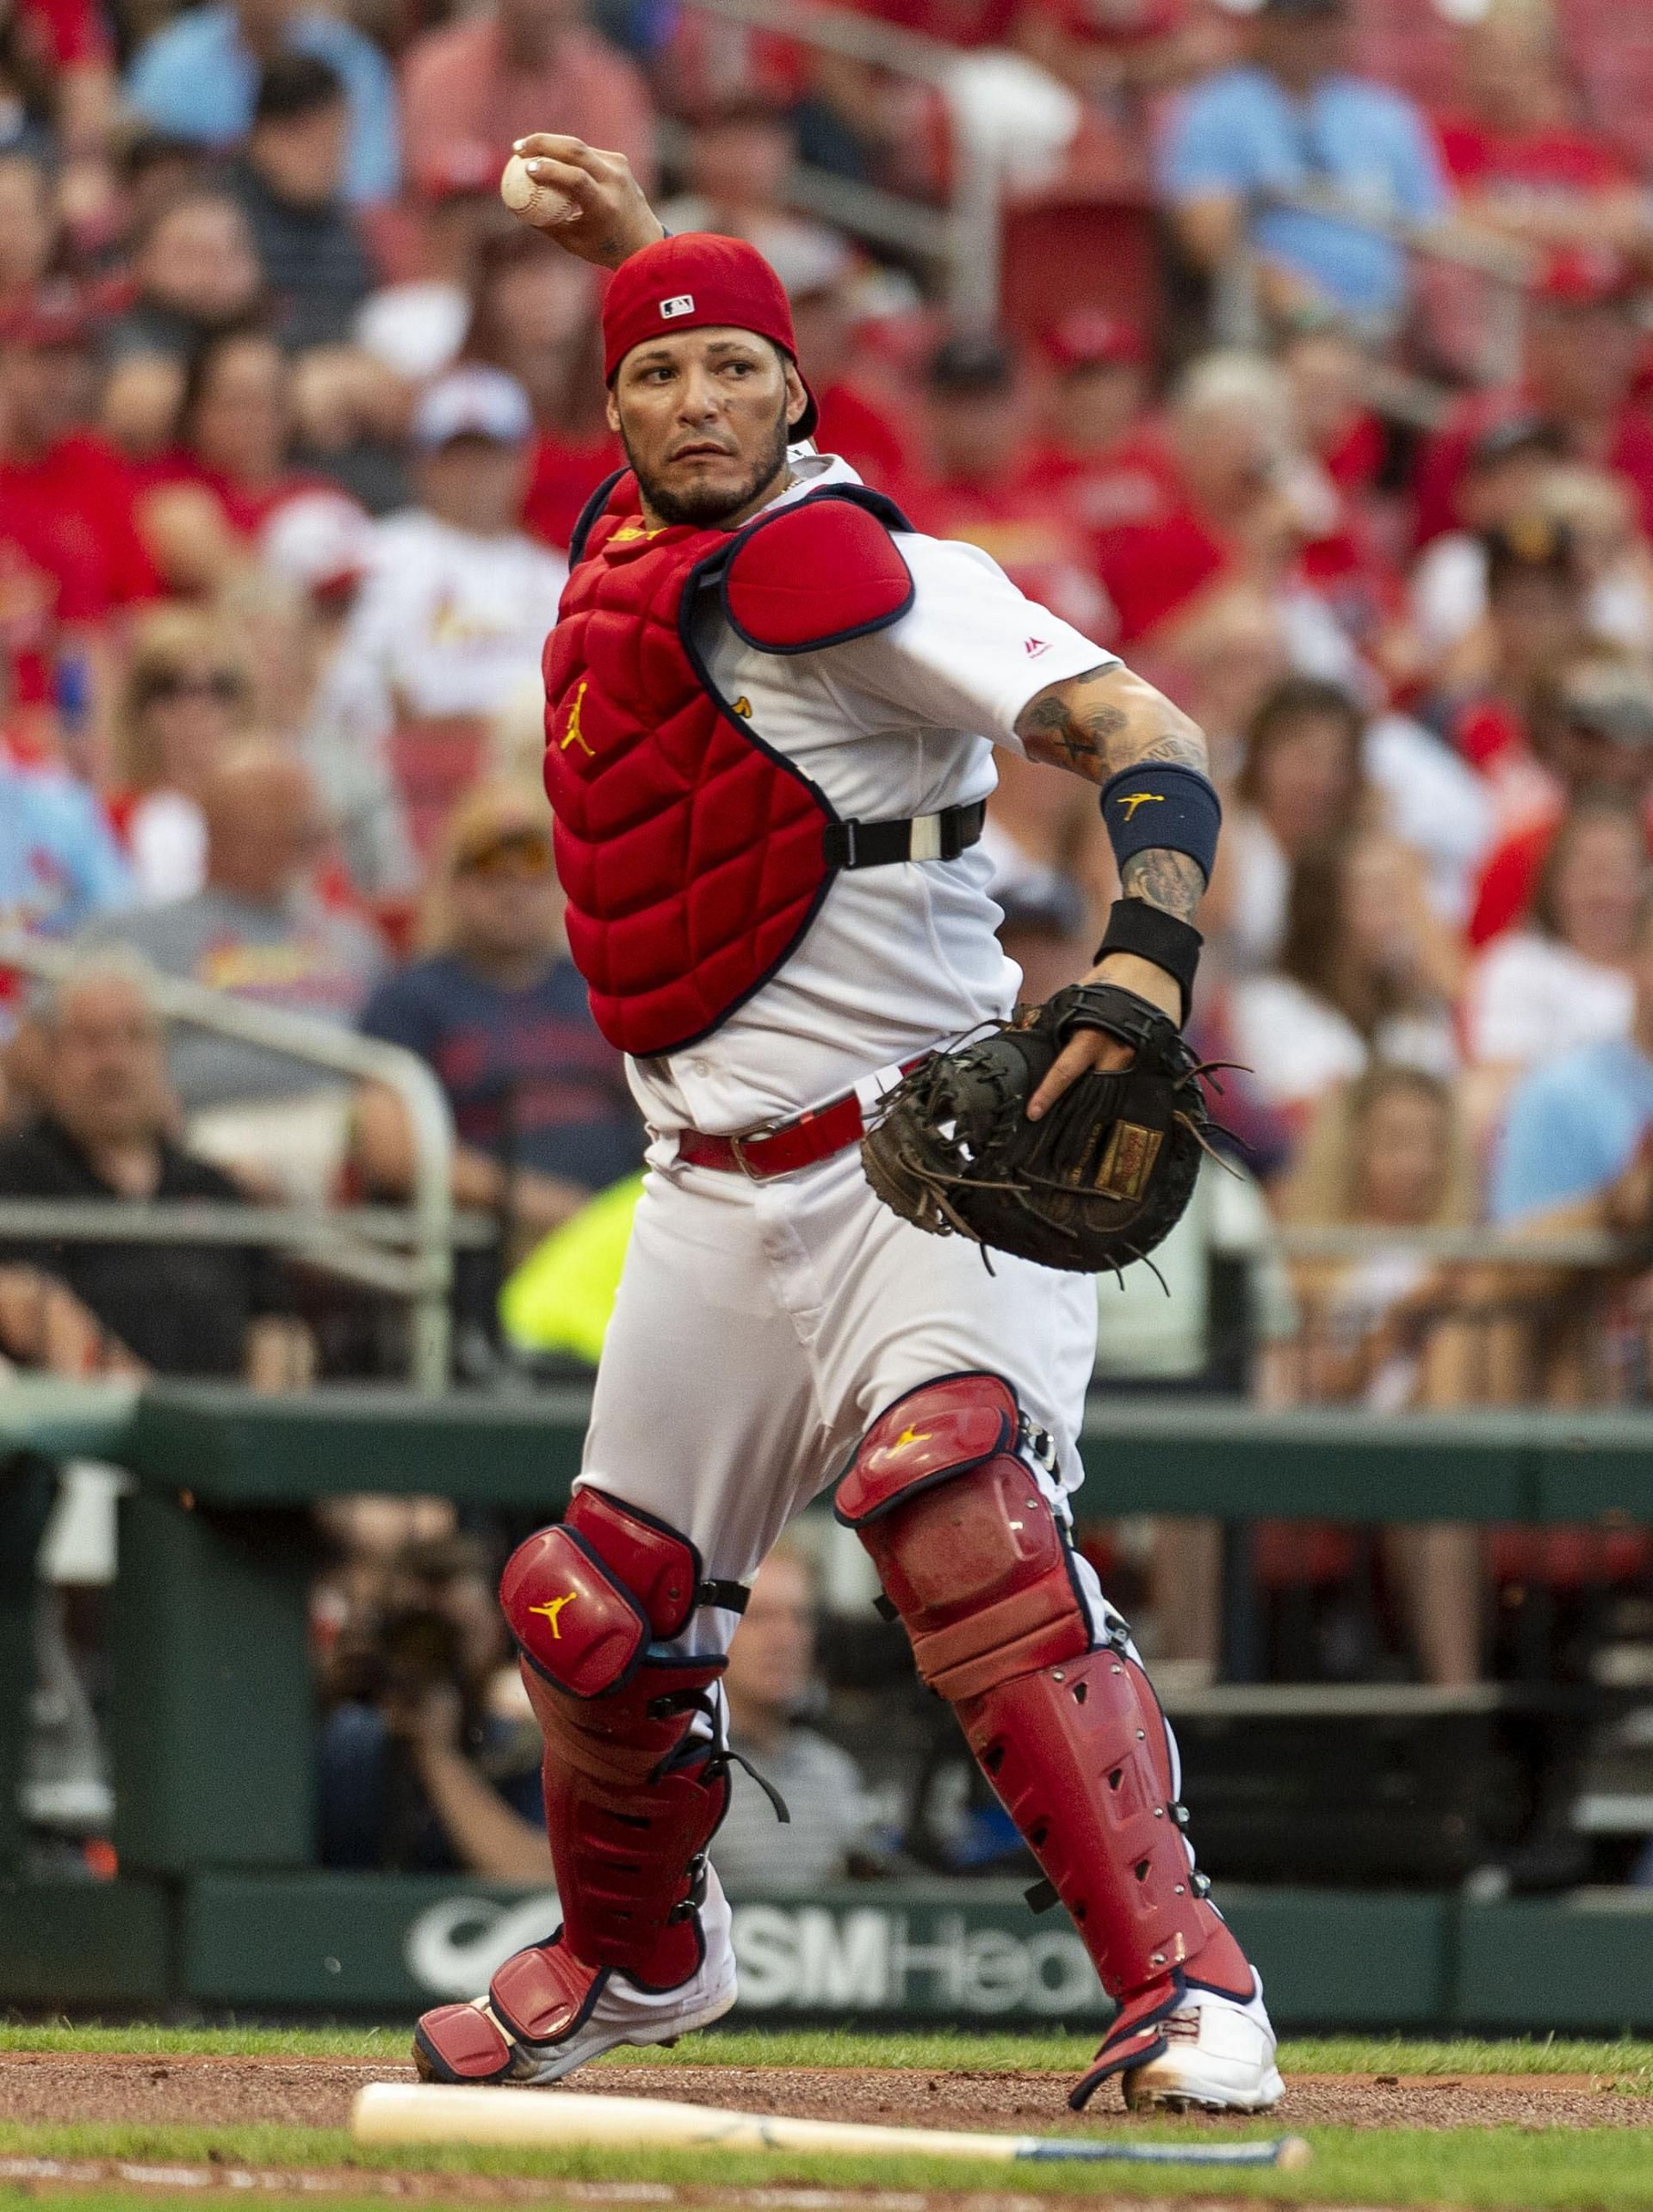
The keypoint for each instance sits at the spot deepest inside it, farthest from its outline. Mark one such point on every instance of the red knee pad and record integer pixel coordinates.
(584, 1599)
(966, 1545)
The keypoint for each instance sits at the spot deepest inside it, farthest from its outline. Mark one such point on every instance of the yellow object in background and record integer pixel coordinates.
(560, 1297)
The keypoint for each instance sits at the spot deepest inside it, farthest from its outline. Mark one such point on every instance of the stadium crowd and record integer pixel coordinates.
(295, 423)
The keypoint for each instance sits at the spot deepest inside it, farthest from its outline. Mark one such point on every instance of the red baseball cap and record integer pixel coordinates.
(1087, 337)
(697, 282)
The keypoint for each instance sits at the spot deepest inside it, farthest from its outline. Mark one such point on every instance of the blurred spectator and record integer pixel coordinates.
(541, 1111)
(195, 274)
(66, 530)
(983, 482)
(768, 1686)
(1506, 466)
(198, 78)
(1494, 688)
(1582, 352)
(416, 324)
(452, 617)
(522, 65)
(1593, 731)
(317, 545)
(1291, 118)
(1231, 505)
(104, 1136)
(1300, 783)
(865, 419)
(29, 228)
(1111, 466)
(1601, 513)
(60, 865)
(1577, 1123)
(1386, 1331)
(1229, 654)
(185, 693)
(736, 166)
(205, 501)
(1365, 971)
(1562, 980)
(535, 318)
(1327, 370)
(351, 420)
(148, 169)
(428, 1758)
(255, 928)
(290, 181)
(26, 119)
(1597, 520)
(1518, 150)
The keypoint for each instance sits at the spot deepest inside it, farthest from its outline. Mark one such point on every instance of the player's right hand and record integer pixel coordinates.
(614, 217)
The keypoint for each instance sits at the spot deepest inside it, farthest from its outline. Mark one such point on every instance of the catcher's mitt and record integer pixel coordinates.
(1097, 1182)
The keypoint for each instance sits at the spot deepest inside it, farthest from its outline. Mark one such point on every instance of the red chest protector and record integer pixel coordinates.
(693, 856)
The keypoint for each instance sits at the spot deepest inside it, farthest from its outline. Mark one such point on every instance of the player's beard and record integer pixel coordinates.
(706, 510)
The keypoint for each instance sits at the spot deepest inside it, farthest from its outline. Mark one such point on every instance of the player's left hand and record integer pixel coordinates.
(1090, 1051)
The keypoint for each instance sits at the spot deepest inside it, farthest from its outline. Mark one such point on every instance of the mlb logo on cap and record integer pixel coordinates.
(682, 304)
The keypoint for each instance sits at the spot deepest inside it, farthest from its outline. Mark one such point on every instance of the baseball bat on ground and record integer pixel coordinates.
(418, 2112)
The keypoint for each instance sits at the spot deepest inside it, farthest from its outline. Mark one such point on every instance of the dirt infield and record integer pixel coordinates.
(212, 2091)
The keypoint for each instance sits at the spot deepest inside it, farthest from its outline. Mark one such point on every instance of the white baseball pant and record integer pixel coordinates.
(760, 1329)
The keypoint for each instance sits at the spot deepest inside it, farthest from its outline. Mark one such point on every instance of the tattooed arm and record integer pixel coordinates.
(1093, 725)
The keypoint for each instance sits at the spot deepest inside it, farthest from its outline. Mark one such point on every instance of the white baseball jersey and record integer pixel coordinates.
(897, 724)
(761, 1328)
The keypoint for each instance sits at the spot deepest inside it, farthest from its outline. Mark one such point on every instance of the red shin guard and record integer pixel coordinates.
(971, 1555)
(633, 1795)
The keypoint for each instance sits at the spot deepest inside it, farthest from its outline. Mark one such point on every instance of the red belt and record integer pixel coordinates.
(789, 1146)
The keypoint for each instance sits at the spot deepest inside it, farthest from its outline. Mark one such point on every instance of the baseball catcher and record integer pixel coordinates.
(770, 713)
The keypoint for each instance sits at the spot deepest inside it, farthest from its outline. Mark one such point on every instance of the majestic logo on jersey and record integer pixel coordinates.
(553, 1609)
(572, 734)
(1133, 800)
(682, 304)
(742, 707)
(1034, 647)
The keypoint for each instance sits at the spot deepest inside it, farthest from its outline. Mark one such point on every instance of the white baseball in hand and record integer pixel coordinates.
(538, 204)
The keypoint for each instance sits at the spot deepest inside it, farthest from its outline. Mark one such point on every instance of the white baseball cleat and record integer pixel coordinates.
(1218, 2057)
(547, 2012)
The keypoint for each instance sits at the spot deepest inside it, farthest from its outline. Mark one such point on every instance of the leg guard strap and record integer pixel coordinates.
(972, 1555)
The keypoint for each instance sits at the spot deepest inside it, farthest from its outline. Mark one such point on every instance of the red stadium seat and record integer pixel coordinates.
(1062, 252)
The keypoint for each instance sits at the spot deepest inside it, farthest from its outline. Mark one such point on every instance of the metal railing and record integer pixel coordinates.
(1519, 1318)
(406, 1252)
(1356, 1240)
(962, 238)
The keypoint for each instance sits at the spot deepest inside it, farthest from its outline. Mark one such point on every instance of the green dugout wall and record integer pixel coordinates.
(217, 1908)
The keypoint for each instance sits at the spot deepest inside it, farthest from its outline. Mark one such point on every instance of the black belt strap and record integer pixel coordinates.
(880, 844)
(723, 1597)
